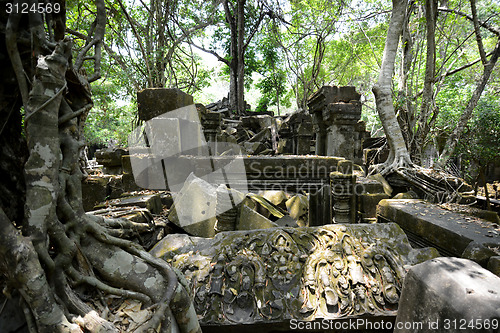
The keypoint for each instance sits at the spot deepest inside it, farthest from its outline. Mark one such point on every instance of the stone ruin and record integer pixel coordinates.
(301, 234)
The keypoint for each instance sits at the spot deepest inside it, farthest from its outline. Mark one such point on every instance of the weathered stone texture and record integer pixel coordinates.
(449, 295)
(336, 113)
(450, 232)
(272, 275)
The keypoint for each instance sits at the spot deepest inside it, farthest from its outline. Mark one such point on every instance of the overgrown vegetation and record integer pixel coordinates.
(296, 47)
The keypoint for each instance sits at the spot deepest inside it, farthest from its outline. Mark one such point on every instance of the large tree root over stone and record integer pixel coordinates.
(59, 254)
(433, 185)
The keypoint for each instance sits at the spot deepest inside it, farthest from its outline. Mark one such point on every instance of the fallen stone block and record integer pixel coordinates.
(227, 208)
(478, 252)
(449, 295)
(287, 221)
(494, 265)
(151, 202)
(270, 276)
(194, 207)
(94, 191)
(275, 197)
(298, 208)
(156, 101)
(367, 203)
(428, 224)
(110, 157)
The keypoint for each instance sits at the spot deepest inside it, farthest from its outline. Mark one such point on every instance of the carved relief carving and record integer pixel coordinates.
(305, 273)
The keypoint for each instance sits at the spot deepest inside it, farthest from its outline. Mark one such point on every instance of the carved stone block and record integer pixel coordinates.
(273, 275)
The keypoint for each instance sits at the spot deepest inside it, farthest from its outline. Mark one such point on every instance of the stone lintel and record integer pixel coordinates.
(332, 94)
(274, 275)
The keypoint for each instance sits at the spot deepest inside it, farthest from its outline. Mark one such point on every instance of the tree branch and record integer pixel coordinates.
(479, 39)
(448, 73)
(98, 30)
(485, 25)
(211, 52)
(139, 40)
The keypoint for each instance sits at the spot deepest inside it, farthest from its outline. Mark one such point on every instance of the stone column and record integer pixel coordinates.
(342, 184)
(211, 124)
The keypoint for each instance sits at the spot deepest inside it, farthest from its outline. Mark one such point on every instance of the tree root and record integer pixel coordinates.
(393, 163)
(64, 245)
(436, 185)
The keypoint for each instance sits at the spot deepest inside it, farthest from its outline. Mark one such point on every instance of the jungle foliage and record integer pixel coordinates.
(286, 50)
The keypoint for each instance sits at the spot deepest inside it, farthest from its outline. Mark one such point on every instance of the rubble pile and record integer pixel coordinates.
(274, 218)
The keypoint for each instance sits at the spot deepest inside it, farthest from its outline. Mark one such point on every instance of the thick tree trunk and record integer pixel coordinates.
(399, 156)
(406, 112)
(49, 257)
(21, 266)
(233, 63)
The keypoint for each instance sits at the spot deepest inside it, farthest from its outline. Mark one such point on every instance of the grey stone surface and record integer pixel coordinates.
(110, 157)
(152, 202)
(367, 204)
(336, 113)
(249, 219)
(449, 295)
(94, 191)
(450, 232)
(478, 252)
(298, 208)
(194, 208)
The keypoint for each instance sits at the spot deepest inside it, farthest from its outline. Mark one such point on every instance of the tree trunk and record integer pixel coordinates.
(427, 95)
(240, 91)
(406, 112)
(44, 248)
(233, 50)
(398, 156)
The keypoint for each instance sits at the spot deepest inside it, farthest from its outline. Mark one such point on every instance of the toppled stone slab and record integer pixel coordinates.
(273, 275)
(430, 225)
(449, 295)
(275, 197)
(298, 208)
